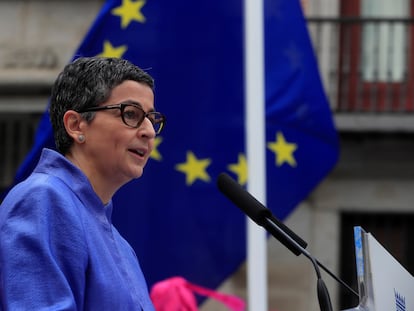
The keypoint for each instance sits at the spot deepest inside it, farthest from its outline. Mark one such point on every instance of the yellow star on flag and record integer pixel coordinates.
(283, 150)
(110, 51)
(130, 11)
(240, 169)
(155, 154)
(194, 169)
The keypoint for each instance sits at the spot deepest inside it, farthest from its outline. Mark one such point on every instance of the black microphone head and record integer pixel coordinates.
(259, 213)
(242, 199)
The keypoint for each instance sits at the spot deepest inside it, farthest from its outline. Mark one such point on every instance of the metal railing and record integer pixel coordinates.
(367, 64)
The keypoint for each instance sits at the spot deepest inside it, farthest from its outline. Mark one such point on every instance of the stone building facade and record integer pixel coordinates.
(374, 176)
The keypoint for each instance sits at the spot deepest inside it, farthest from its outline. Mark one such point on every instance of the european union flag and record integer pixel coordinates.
(173, 216)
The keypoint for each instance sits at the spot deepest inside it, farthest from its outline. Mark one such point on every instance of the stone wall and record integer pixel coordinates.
(37, 38)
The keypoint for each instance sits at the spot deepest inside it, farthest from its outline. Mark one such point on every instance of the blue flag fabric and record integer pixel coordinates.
(173, 216)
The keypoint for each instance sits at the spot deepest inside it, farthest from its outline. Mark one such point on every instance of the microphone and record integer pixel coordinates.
(264, 217)
(258, 213)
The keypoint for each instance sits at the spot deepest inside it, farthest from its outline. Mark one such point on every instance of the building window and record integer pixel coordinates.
(17, 131)
(384, 44)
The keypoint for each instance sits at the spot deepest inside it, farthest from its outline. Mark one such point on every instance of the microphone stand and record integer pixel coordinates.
(262, 216)
(323, 293)
(294, 243)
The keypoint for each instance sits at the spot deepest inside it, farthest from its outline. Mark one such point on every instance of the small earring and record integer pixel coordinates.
(81, 138)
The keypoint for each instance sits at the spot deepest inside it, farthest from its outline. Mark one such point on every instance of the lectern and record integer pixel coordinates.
(383, 283)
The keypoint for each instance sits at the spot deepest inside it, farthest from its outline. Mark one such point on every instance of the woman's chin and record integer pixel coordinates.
(138, 173)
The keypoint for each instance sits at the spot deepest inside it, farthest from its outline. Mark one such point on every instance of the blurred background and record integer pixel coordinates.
(365, 53)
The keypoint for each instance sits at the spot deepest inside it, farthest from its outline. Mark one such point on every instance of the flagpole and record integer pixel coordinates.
(255, 144)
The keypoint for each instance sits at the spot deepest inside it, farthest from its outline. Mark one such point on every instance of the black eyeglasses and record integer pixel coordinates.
(133, 115)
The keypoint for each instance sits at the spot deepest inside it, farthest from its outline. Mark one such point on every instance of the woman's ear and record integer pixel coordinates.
(72, 121)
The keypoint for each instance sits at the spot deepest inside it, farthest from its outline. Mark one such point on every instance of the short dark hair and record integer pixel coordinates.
(84, 83)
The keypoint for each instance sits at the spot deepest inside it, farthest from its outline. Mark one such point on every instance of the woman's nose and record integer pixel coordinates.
(147, 129)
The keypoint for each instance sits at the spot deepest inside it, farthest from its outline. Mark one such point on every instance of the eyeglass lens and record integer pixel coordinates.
(134, 116)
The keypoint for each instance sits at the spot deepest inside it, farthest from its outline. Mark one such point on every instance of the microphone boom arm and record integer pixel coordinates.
(263, 216)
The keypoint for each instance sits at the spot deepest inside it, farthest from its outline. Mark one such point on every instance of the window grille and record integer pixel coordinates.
(17, 132)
